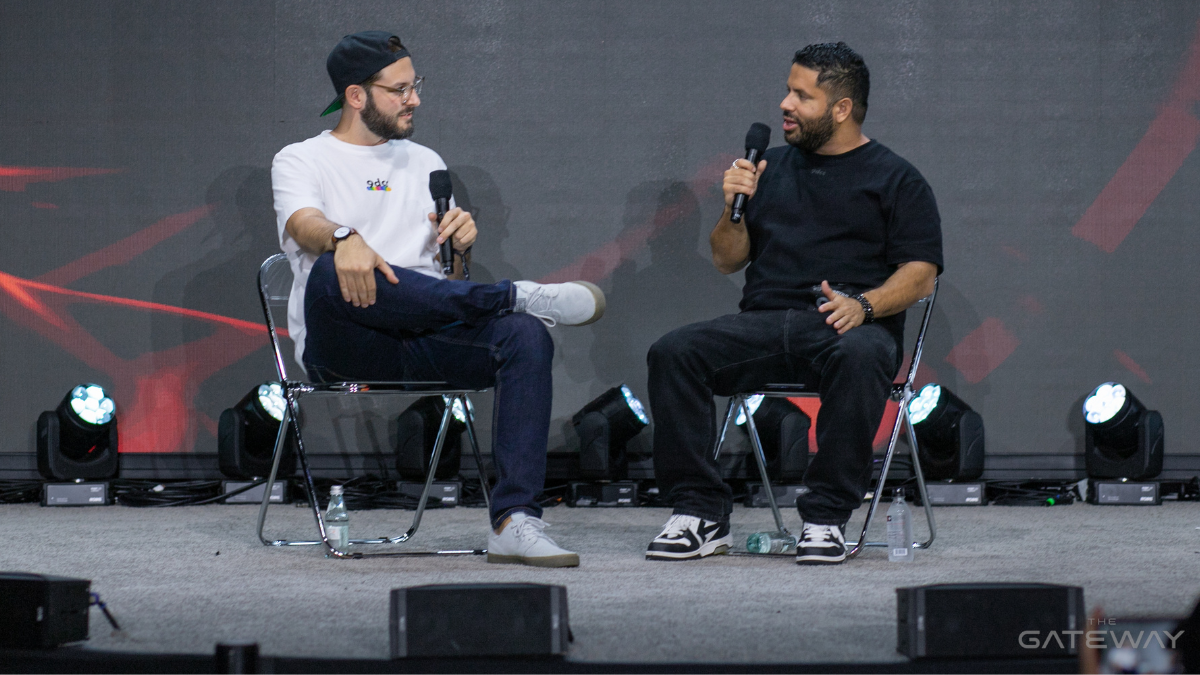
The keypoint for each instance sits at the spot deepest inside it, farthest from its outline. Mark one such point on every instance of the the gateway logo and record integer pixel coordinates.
(378, 186)
(1098, 639)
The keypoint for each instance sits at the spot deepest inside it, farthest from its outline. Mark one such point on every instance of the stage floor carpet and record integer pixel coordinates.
(181, 579)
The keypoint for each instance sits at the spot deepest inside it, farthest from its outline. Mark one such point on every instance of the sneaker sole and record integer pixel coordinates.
(820, 560)
(568, 560)
(598, 296)
(715, 547)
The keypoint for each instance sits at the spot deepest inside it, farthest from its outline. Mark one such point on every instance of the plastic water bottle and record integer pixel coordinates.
(899, 529)
(337, 521)
(771, 542)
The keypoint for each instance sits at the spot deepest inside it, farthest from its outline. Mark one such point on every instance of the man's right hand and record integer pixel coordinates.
(741, 178)
(356, 263)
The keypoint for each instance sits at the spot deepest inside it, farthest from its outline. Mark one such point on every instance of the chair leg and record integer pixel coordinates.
(734, 403)
(483, 479)
(277, 455)
(309, 486)
(883, 473)
(433, 462)
(761, 459)
(916, 462)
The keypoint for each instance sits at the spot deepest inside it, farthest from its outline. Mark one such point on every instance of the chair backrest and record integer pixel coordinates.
(920, 345)
(274, 289)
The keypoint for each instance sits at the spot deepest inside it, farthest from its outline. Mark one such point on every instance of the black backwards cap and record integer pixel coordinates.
(358, 57)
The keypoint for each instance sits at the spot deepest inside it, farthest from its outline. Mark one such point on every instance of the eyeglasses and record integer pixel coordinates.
(405, 91)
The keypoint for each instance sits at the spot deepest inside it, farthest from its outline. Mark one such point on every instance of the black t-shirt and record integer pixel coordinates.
(849, 219)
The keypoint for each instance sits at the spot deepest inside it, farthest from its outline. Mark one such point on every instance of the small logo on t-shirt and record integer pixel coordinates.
(378, 185)
(819, 172)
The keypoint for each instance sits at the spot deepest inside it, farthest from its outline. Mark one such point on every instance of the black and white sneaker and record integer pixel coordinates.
(687, 537)
(821, 545)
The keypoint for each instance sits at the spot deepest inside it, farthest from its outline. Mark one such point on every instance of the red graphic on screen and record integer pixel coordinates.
(983, 350)
(1172, 136)
(155, 391)
(15, 178)
(1131, 365)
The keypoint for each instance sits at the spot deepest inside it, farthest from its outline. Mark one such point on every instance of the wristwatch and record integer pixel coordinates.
(341, 234)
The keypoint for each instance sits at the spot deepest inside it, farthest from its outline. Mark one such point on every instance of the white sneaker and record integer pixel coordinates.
(574, 303)
(523, 542)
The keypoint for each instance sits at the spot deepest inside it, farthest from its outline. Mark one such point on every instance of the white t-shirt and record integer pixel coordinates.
(382, 191)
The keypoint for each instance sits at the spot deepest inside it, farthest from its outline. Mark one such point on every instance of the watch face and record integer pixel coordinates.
(341, 232)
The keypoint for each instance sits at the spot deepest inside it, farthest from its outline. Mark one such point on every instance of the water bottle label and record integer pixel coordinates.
(338, 536)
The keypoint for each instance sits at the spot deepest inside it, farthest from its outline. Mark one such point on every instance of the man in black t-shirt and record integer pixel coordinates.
(840, 236)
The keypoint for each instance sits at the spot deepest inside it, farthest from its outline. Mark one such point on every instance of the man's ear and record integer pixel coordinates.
(355, 97)
(841, 110)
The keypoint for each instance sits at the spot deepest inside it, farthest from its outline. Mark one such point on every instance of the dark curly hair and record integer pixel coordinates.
(841, 72)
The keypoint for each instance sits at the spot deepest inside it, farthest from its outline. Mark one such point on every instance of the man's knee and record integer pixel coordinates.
(525, 334)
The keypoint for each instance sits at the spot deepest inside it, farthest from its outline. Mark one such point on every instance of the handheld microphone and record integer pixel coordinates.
(757, 140)
(440, 189)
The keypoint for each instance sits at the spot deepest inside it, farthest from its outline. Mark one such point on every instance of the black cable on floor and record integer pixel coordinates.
(20, 491)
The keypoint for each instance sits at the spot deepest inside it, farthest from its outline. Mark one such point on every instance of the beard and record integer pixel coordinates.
(811, 135)
(386, 127)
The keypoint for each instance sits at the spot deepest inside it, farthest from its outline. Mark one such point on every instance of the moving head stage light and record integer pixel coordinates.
(783, 432)
(246, 434)
(416, 433)
(78, 439)
(949, 435)
(1122, 439)
(604, 426)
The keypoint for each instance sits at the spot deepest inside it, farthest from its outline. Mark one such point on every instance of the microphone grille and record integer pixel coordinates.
(758, 138)
(439, 184)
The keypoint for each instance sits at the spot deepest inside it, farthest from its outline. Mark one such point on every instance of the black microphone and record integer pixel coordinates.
(757, 140)
(440, 189)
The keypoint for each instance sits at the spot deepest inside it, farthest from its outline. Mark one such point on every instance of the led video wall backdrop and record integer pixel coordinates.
(589, 137)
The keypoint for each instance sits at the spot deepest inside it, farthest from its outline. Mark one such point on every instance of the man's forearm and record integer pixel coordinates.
(730, 244)
(312, 230)
(908, 284)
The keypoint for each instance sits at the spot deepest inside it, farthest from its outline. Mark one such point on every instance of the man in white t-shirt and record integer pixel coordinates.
(370, 300)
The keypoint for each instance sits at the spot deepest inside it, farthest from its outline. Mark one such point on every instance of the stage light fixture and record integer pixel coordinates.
(78, 439)
(783, 432)
(246, 434)
(949, 434)
(416, 433)
(1122, 439)
(604, 426)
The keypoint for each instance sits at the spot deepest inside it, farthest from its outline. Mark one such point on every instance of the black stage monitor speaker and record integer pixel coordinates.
(479, 620)
(39, 611)
(989, 620)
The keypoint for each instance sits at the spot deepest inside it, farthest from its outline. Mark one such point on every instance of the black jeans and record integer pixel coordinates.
(741, 352)
(463, 333)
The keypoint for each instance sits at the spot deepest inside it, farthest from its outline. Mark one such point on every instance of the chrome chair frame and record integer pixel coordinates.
(272, 272)
(901, 393)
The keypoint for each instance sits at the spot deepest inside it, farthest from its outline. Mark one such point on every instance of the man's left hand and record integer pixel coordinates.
(844, 312)
(458, 225)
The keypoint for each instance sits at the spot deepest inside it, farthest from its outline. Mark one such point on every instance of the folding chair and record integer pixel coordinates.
(902, 393)
(274, 288)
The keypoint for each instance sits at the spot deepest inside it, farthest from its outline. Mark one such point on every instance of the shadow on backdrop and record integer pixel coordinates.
(242, 235)
(679, 286)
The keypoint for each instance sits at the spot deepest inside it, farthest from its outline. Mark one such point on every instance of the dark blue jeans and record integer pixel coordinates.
(459, 332)
(741, 352)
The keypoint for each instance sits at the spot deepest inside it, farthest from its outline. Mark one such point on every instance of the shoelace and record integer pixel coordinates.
(537, 294)
(531, 528)
(818, 533)
(675, 527)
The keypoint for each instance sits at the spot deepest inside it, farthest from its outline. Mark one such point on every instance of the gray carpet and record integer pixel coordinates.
(181, 579)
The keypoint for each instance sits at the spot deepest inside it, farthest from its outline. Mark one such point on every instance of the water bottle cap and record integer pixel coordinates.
(335, 490)
(898, 493)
